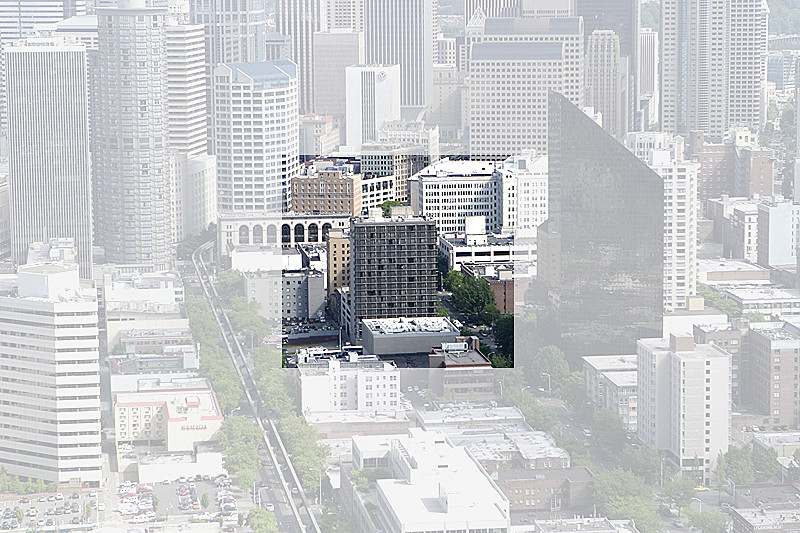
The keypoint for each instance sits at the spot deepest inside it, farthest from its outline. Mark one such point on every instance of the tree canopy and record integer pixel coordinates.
(620, 494)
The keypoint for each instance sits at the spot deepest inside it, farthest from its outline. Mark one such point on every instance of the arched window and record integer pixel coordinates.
(326, 228)
(313, 233)
(258, 234)
(272, 234)
(244, 235)
(299, 233)
(286, 234)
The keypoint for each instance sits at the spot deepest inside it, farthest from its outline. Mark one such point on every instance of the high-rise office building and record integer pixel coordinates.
(622, 17)
(601, 249)
(131, 158)
(18, 17)
(713, 65)
(746, 61)
(392, 266)
(341, 14)
(493, 8)
(51, 393)
(512, 64)
(235, 33)
(334, 51)
(606, 83)
(265, 93)
(299, 19)
(684, 401)
(48, 135)
(649, 80)
(373, 96)
(401, 32)
(17, 20)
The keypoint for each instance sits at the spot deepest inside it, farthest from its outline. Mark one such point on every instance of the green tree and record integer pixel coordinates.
(474, 297)
(720, 473)
(572, 390)
(88, 510)
(334, 521)
(707, 522)
(794, 469)
(504, 334)
(787, 119)
(549, 360)
(719, 300)
(20, 515)
(739, 465)
(765, 463)
(261, 521)
(608, 429)
(205, 500)
(155, 502)
(388, 205)
(679, 492)
(754, 317)
(620, 494)
(772, 111)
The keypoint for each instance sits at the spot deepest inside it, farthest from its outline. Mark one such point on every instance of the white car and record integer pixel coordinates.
(101, 506)
(59, 496)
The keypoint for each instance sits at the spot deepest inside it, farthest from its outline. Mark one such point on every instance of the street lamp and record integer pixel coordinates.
(700, 504)
(549, 387)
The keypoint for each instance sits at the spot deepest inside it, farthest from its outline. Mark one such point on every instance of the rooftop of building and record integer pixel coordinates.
(447, 485)
(603, 363)
(727, 265)
(573, 473)
(467, 415)
(492, 239)
(699, 351)
(447, 168)
(178, 396)
(155, 334)
(625, 378)
(409, 326)
(499, 442)
(763, 293)
(461, 353)
(778, 331)
(595, 525)
(778, 438)
(355, 417)
(761, 518)
(269, 72)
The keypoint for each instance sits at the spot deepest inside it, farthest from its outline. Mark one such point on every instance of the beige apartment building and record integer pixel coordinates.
(327, 191)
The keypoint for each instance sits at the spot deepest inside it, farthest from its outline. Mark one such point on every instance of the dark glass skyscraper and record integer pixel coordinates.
(601, 249)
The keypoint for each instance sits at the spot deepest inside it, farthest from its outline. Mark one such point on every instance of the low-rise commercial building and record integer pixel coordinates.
(500, 277)
(770, 301)
(547, 489)
(406, 336)
(459, 371)
(173, 415)
(327, 191)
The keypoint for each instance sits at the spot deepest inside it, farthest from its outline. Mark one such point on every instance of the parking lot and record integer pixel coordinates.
(185, 497)
(50, 511)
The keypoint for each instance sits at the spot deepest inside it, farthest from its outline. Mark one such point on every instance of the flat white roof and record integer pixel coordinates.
(604, 363)
(764, 293)
(726, 265)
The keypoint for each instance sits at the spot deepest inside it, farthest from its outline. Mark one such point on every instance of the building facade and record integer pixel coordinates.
(51, 423)
(50, 180)
(258, 181)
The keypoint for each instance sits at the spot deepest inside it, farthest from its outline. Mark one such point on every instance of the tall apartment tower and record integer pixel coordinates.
(50, 423)
(299, 19)
(664, 153)
(131, 160)
(49, 164)
(341, 15)
(684, 401)
(400, 32)
(605, 204)
(796, 185)
(194, 186)
(373, 96)
(392, 266)
(713, 65)
(606, 83)
(518, 61)
(245, 94)
(334, 51)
